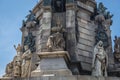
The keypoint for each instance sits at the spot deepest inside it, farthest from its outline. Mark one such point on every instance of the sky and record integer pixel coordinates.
(12, 12)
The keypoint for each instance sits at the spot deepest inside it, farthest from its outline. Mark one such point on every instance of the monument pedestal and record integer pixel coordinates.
(6, 78)
(52, 64)
(115, 71)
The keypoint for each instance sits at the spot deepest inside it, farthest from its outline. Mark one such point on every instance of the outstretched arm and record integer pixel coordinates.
(15, 47)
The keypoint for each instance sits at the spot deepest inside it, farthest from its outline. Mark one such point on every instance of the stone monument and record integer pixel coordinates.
(65, 40)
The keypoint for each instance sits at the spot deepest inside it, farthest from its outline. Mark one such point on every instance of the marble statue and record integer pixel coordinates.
(100, 61)
(26, 62)
(9, 70)
(56, 40)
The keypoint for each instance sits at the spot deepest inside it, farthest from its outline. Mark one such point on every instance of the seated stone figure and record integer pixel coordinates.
(56, 40)
(9, 70)
(100, 61)
(16, 68)
(26, 62)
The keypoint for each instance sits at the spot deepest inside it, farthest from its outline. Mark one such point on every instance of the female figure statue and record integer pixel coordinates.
(100, 60)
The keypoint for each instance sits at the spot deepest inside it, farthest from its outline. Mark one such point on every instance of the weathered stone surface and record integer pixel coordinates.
(39, 12)
(89, 8)
(86, 31)
(70, 77)
(86, 66)
(112, 78)
(85, 36)
(83, 15)
(71, 33)
(84, 59)
(86, 42)
(62, 18)
(84, 47)
(39, 31)
(70, 18)
(86, 25)
(46, 22)
(6, 78)
(52, 63)
(84, 53)
(83, 77)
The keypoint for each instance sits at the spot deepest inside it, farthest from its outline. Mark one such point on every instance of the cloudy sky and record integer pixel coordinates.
(12, 12)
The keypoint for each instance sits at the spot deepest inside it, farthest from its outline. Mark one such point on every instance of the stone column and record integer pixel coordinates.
(85, 29)
(71, 31)
(44, 31)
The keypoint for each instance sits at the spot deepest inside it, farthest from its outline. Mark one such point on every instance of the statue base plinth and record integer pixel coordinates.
(6, 78)
(52, 64)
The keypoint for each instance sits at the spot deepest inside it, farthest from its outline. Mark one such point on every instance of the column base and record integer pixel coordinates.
(52, 64)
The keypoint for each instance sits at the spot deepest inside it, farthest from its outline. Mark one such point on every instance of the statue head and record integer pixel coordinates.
(100, 44)
(26, 47)
(51, 37)
(18, 45)
(115, 37)
(30, 11)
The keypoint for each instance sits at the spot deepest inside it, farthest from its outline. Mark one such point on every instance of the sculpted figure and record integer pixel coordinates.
(9, 70)
(17, 66)
(31, 21)
(26, 62)
(23, 23)
(101, 9)
(18, 49)
(99, 19)
(17, 61)
(100, 61)
(30, 41)
(50, 43)
(116, 45)
(56, 40)
(31, 16)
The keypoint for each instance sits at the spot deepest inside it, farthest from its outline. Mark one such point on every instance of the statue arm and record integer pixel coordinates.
(15, 47)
